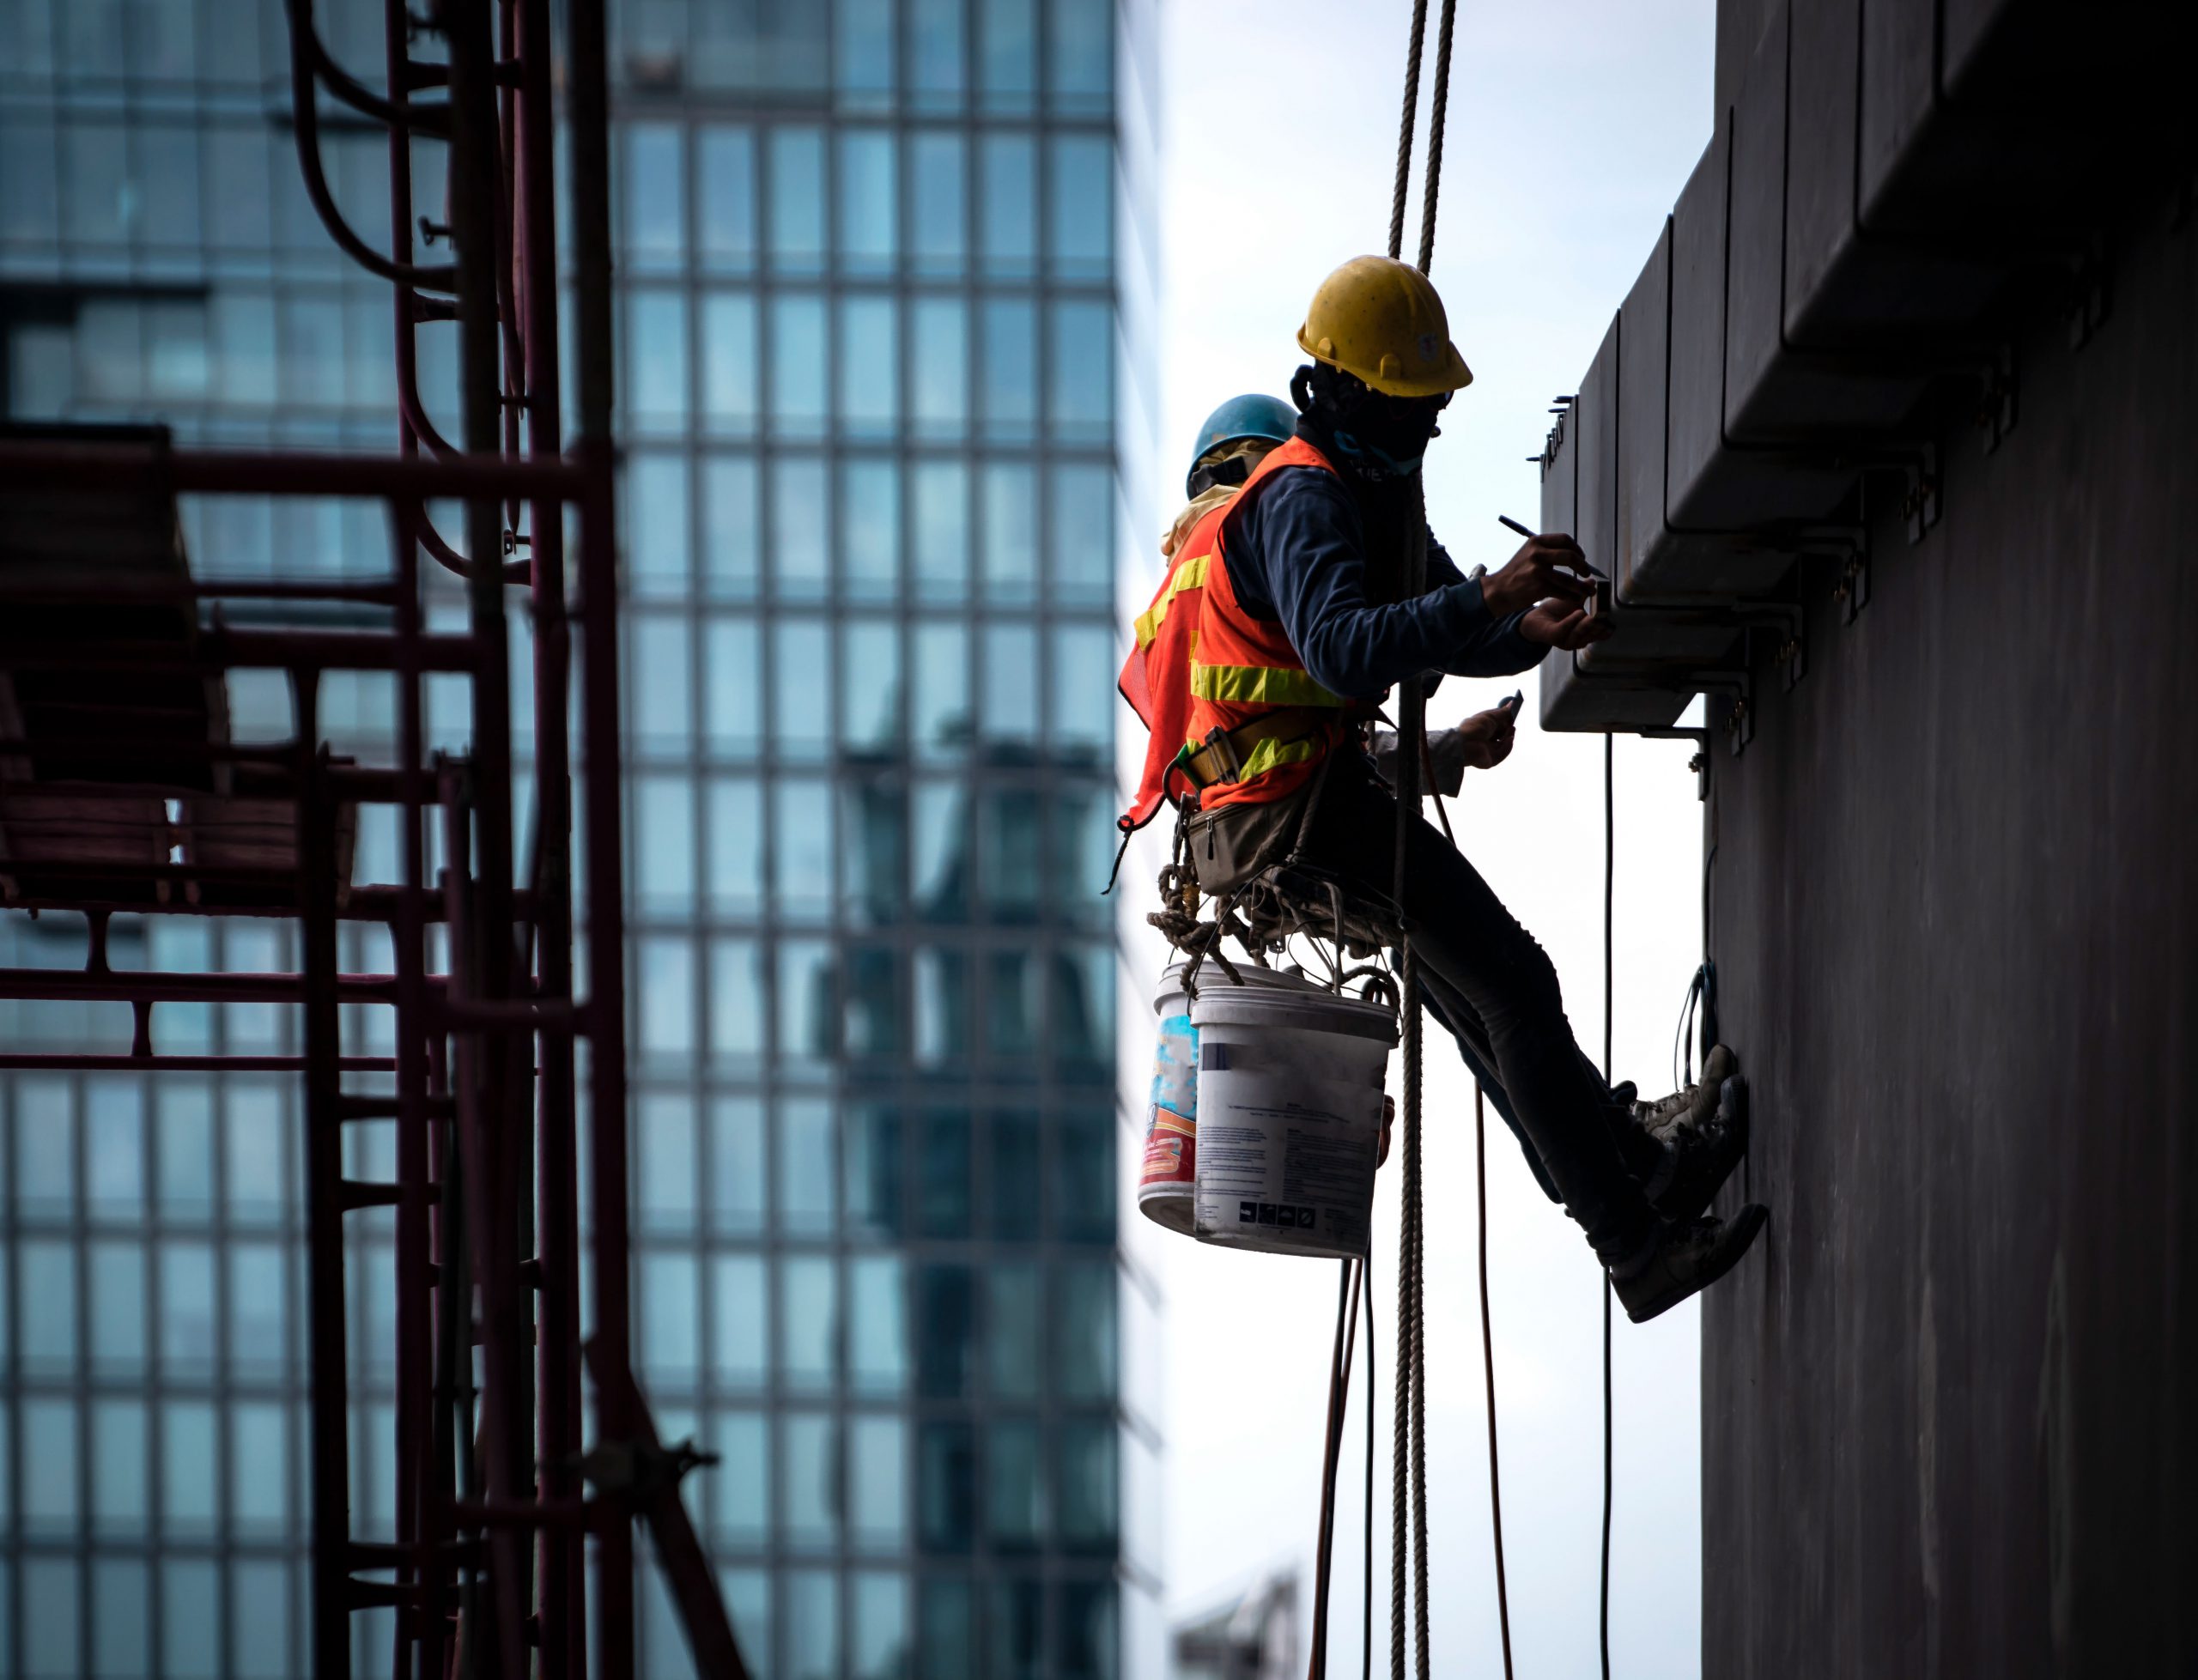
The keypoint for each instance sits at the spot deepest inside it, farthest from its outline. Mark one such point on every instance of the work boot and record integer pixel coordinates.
(1686, 1259)
(1693, 1106)
(1703, 1156)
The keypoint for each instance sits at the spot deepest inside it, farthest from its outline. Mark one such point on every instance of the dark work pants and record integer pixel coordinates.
(1495, 987)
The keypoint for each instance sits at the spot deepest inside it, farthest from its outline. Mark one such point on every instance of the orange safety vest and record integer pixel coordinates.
(1203, 664)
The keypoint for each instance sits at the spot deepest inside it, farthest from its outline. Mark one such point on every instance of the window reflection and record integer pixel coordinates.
(1080, 207)
(1087, 1481)
(739, 1004)
(943, 1170)
(801, 832)
(1010, 683)
(188, 1462)
(733, 657)
(870, 521)
(665, 996)
(1082, 713)
(863, 37)
(663, 844)
(870, 367)
(1019, 1630)
(1083, 1012)
(1015, 1489)
(810, 1486)
(797, 164)
(878, 1326)
(945, 1331)
(938, 368)
(1080, 56)
(936, 45)
(939, 694)
(658, 553)
(878, 1484)
(873, 1026)
(186, 1317)
(946, 1631)
(736, 1174)
(1010, 525)
(259, 1456)
(812, 1625)
(797, 385)
(736, 846)
(740, 1494)
(656, 359)
(118, 1467)
(729, 363)
(730, 518)
(1081, 352)
(185, 1146)
(1084, 1341)
(1017, 1191)
(725, 163)
(50, 1644)
(946, 1476)
(1082, 841)
(874, 842)
(114, 1154)
(1007, 67)
(740, 1323)
(940, 863)
(942, 1008)
(867, 236)
(662, 723)
(49, 1466)
(872, 1141)
(1015, 1338)
(942, 530)
(655, 197)
(804, 1163)
(1090, 1632)
(809, 1322)
(1010, 403)
(880, 1626)
(1080, 536)
(801, 680)
(1012, 853)
(937, 232)
(665, 1142)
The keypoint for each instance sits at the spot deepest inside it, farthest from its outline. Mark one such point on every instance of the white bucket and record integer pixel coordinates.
(1290, 1117)
(1166, 1180)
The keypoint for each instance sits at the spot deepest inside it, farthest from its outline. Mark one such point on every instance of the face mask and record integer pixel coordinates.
(1379, 436)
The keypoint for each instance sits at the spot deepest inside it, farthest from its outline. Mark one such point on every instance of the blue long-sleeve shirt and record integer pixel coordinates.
(1297, 554)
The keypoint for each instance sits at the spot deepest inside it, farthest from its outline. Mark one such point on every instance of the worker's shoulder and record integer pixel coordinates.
(1290, 498)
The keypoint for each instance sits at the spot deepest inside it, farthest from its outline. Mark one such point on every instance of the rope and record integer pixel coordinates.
(1488, 1368)
(1405, 128)
(1610, 868)
(1339, 1361)
(1366, 1627)
(1439, 105)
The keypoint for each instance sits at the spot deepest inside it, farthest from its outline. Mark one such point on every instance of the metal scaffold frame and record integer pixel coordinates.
(498, 1505)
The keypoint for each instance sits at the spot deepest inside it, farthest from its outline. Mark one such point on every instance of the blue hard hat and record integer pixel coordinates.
(1254, 416)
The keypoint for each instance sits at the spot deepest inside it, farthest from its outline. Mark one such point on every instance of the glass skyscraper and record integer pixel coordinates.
(876, 260)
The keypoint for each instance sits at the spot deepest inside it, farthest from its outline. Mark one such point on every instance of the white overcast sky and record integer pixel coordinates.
(1573, 125)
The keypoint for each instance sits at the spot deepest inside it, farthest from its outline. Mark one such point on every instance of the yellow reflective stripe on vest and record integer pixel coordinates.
(1258, 685)
(1269, 754)
(1191, 574)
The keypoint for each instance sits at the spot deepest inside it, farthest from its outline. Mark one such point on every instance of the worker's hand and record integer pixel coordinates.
(1565, 624)
(1484, 740)
(1549, 568)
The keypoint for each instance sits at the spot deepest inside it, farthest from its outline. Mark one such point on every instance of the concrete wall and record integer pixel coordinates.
(1951, 1403)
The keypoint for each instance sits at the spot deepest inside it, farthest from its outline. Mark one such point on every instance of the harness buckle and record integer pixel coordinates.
(1227, 765)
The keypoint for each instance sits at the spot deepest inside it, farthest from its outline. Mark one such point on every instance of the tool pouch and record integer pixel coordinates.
(1229, 844)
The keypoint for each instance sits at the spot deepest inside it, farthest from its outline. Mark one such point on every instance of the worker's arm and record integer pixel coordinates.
(1296, 553)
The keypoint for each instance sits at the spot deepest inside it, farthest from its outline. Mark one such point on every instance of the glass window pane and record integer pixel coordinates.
(873, 1009)
(49, 1466)
(665, 999)
(945, 1331)
(867, 234)
(943, 1037)
(45, 1150)
(1007, 201)
(659, 556)
(118, 1467)
(118, 1307)
(737, 1171)
(1088, 1631)
(1081, 407)
(802, 843)
(1008, 54)
(656, 359)
(725, 160)
(939, 368)
(733, 657)
(114, 1150)
(935, 52)
(877, 1325)
(804, 1160)
(1015, 1340)
(801, 529)
(796, 162)
(187, 1466)
(258, 1458)
(807, 1322)
(1084, 664)
(810, 1486)
(1015, 1485)
(1079, 54)
(1017, 1191)
(941, 491)
(1010, 668)
(938, 234)
(740, 1322)
(801, 657)
(259, 1611)
(738, 1010)
(870, 523)
(1016, 1629)
(184, 1141)
(1085, 1339)
(259, 1341)
(670, 1313)
(740, 1495)
(729, 527)
(870, 366)
(870, 709)
(1009, 394)
(1008, 511)
(1080, 535)
(879, 1626)
(662, 720)
(736, 846)
(1087, 1482)
(191, 1618)
(877, 1483)
(1079, 207)
(946, 1645)
(939, 858)
(51, 1649)
(946, 1488)
(656, 231)
(46, 1323)
(255, 1134)
(729, 363)
(665, 1142)
(943, 1170)
(1083, 1012)
(662, 844)
(939, 696)
(872, 1138)
(119, 1617)
(798, 383)
(863, 38)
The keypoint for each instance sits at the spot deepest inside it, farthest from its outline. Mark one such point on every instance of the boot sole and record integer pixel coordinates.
(1741, 1232)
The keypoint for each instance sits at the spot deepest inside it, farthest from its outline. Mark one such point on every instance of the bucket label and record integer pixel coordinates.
(1287, 1162)
(1175, 1067)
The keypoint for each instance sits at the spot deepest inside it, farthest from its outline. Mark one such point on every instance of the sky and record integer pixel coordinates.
(1572, 125)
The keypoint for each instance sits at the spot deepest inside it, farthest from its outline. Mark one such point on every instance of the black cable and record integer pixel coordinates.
(1610, 870)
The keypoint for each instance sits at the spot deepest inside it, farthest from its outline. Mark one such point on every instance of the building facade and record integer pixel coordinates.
(873, 263)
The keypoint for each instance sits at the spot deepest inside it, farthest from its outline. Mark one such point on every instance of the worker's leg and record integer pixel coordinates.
(1464, 935)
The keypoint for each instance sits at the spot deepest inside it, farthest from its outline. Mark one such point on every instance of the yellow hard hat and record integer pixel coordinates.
(1381, 321)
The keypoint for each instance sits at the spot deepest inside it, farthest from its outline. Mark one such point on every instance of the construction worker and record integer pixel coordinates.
(1283, 621)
